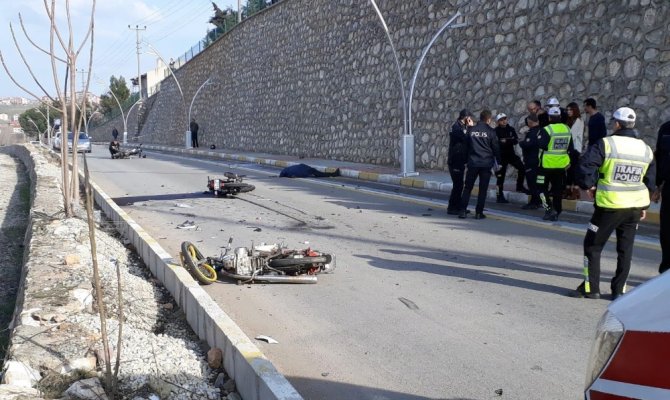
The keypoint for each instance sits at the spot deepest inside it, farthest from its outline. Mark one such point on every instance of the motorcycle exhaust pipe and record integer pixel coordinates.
(272, 278)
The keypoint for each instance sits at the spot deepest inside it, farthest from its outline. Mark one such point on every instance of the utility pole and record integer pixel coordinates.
(137, 30)
(82, 72)
(239, 11)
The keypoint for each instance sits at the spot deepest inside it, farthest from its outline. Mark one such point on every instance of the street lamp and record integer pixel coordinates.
(35, 125)
(407, 158)
(205, 83)
(46, 117)
(123, 115)
(187, 134)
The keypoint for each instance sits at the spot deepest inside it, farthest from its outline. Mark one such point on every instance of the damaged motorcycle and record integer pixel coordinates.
(271, 263)
(231, 184)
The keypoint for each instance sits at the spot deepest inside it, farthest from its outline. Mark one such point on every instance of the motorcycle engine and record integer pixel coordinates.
(242, 261)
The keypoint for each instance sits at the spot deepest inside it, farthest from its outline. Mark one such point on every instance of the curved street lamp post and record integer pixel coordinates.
(187, 134)
(124, 116)
(407, 159)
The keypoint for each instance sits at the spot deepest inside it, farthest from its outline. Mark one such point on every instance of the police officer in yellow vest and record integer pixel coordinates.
(615, 172)
(555, 142)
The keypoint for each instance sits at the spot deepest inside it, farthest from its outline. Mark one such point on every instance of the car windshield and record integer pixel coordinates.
(81, 136)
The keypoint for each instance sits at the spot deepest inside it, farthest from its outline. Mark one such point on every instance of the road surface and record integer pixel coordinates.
(422, 305)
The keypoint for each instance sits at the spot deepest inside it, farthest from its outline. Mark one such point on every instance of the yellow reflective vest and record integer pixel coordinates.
(556, 156)
(620, 184)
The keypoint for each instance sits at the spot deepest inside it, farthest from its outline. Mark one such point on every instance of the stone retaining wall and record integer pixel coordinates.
(317, 77)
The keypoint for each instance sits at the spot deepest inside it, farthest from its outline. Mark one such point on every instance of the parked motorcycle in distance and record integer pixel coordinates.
(272, 263)
(231, 184)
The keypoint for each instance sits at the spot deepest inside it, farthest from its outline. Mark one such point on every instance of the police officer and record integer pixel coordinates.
(617, 167)
(457, 158)
(483, 154)
(531, 153)
(555, 146)
(508, 138)
(662, 193)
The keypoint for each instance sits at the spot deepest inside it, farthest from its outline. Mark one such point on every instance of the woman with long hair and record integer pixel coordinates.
(576, 125)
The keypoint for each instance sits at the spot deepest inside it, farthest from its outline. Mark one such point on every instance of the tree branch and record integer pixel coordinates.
(33, 43)
(25, 62)
(2, 60)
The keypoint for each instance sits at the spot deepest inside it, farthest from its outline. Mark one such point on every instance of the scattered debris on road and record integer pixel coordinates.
(267, 339)
(409, 303)
(187, 225)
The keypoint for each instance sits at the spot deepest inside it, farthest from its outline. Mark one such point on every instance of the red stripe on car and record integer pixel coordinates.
(643, 358)
(606, 396)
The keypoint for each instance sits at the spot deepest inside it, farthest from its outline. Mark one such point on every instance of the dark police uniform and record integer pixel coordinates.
(483, 153)
(508, 138)
(617, 165)
(457, 158)
(662, 177)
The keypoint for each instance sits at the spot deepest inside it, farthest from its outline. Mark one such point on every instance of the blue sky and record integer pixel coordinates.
(173, 26)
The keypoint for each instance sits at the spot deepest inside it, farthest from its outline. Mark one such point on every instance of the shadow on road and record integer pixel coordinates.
(130, 200)
(323, 389)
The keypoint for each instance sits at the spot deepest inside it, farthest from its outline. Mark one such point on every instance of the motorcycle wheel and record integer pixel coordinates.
(194, 260)
(293, 262)
(235, 188)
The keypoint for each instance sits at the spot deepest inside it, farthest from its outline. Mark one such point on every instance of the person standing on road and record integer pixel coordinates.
(193, 127)
(662, 192)
(614, 172)
(597, 127)
(577, 129)
(507, 139)
(553, 102)
(535, 107)
(555, 148)
(115, 133)
(530, 147)
(457, 158)
(483, 154)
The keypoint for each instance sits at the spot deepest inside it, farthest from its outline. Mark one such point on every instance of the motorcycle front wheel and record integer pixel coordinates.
(196, 265)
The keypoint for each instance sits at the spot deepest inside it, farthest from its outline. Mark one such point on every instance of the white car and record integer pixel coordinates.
(630, 358)
(83, 143)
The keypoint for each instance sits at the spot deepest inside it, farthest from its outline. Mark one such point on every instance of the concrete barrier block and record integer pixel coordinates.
(273, 385)
(244, 374)
(432, 185)
(445, 187)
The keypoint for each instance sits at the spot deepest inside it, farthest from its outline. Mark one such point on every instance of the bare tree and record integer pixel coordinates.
(67, 97)
(66, 56)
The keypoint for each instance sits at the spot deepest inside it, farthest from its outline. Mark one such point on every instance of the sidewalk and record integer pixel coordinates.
(427, 179)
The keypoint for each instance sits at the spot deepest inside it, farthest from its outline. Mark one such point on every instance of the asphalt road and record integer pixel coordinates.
(422, 305)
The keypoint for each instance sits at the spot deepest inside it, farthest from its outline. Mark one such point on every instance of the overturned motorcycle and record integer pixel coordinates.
(231, 184)
(135, 151)
(272, 263)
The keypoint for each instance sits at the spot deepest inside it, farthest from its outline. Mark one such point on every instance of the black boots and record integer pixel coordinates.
(501, 197)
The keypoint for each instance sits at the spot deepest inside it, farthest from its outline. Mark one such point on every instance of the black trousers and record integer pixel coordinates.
(665, 229)
(457, 175)
(194, 139)
(484, 175)
(602, 224)
(552, 181)
(531, 181)
(515, 161)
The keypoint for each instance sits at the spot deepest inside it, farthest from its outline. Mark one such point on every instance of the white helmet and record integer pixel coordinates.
(553, 102)
(624, 114)
(554, 111)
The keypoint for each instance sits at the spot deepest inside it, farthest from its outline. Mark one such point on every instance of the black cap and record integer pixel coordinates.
(464, 113)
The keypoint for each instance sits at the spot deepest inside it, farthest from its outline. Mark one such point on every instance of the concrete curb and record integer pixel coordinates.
(580, 206)
(255, 376)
